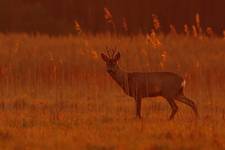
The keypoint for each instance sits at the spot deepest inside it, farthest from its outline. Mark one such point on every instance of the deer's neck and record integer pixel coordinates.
(121, 78)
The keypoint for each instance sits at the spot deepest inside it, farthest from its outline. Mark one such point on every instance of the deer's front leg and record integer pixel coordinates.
(138, 107)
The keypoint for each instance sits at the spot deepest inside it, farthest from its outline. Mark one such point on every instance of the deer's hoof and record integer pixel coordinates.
(138, 117)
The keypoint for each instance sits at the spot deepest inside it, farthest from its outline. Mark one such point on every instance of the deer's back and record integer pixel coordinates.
(154, 84)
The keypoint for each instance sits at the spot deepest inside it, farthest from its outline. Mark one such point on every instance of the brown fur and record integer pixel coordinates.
(148, 84)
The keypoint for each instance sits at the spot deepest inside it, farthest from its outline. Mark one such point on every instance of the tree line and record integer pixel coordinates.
(58, 16)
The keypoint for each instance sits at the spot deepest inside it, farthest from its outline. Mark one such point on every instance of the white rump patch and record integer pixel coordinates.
(183, 83)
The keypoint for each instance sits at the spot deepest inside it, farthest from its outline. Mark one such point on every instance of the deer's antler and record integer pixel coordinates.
(110, 52)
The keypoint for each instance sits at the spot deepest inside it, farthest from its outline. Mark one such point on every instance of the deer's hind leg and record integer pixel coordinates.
(173, 106)
(188, 102)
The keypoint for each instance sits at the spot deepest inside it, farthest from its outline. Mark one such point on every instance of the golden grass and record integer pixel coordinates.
(56, 94)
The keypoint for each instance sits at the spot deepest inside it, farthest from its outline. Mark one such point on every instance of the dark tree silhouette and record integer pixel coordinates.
(57, 16)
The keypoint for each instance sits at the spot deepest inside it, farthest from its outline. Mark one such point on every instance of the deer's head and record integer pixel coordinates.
(111, 60)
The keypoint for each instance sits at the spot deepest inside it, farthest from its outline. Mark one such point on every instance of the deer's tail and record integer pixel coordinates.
(183, 84)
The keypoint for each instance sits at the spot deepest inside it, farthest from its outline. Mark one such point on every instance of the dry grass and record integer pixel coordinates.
(55, 94)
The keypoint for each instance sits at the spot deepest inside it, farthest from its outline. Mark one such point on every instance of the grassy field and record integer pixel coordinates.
(55, 93)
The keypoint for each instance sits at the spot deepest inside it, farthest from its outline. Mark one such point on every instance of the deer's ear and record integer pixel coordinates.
(104, 57)
(117, 57)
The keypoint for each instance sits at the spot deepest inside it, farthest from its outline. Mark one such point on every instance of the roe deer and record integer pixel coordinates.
(148, 84)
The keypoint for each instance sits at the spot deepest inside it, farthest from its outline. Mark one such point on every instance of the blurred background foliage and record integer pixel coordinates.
(57, 16)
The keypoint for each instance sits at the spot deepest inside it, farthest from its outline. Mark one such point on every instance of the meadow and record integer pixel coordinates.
(55, 93)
